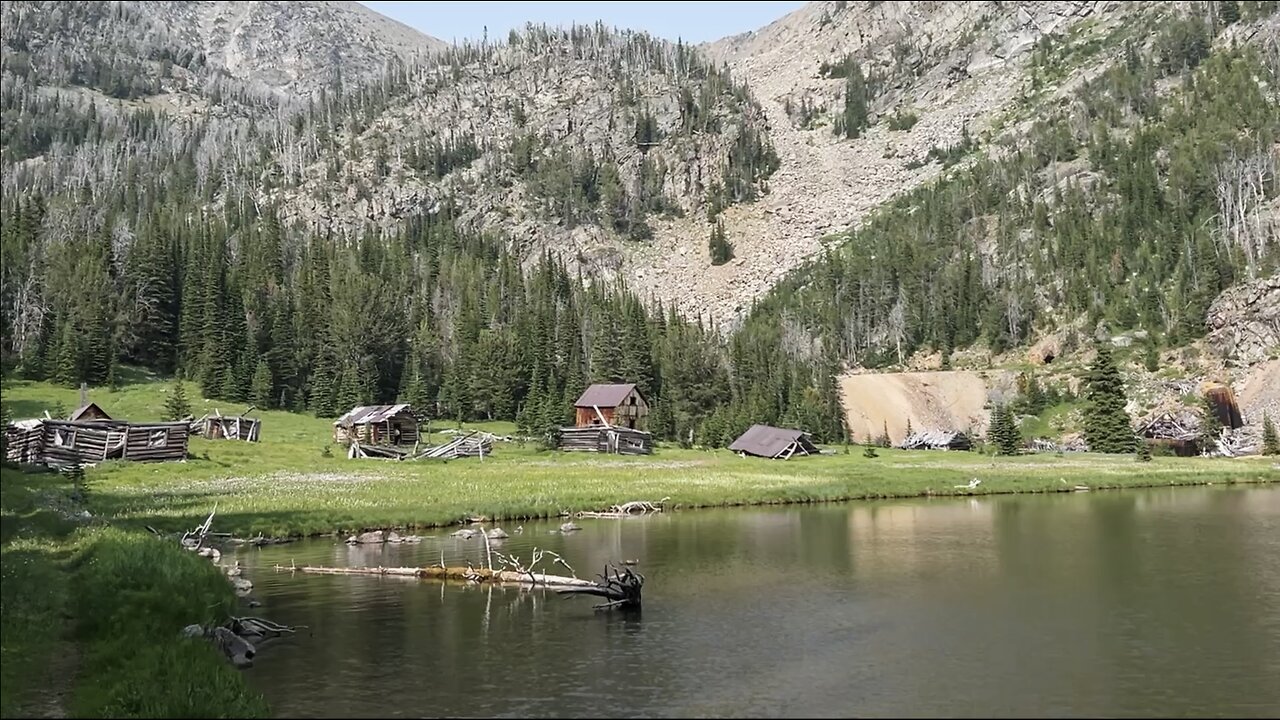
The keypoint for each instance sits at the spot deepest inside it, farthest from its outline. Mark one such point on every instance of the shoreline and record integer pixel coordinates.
(671, 507)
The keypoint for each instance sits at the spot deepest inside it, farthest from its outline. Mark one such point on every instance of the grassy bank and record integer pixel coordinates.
(91, 617)
(289, 485)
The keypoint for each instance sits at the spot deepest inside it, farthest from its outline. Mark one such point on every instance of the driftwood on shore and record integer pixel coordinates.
(626, 509)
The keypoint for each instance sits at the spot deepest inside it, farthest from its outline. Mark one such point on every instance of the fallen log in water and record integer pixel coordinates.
(620, 587)
(467, 573)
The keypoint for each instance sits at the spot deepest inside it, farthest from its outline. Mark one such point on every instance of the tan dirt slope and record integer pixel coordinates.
(944, 400)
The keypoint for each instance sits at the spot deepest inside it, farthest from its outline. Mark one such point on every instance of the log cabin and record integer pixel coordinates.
(618, 405)
(377, 425)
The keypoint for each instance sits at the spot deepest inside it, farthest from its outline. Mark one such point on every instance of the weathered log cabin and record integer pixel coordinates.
(617, 405)
(606, 439)
(771, 442)
(61, 443)
(377, 425)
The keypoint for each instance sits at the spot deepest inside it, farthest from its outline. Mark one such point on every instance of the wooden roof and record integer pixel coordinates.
(770, 442)
(371, 414)
(605, 395)
(92, 409)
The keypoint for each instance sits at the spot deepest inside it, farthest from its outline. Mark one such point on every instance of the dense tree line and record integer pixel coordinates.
(429, 315)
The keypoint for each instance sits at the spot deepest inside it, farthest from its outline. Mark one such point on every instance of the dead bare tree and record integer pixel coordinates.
(1241, 191)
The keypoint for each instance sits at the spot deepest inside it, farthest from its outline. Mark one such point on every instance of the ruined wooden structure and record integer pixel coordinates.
(776, 443)
(1174, 427)
(64, 443)
(227, 427)
(606, 439)
(377, 425)
(617, 405)
(474, 444)
(936, 440)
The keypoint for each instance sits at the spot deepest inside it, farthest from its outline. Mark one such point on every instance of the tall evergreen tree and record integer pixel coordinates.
(1270, 442)
(1106, 424)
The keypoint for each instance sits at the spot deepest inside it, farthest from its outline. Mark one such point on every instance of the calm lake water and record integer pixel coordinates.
(1159, 602)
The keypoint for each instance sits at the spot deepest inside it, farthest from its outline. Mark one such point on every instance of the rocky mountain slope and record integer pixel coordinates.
(612, 150)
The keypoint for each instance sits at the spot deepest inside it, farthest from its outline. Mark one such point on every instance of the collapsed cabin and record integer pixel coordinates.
(772, 442)
(227, 427)
(377, 425)
(616, 405)
(606, 439)
(62, 443)
(936, 440)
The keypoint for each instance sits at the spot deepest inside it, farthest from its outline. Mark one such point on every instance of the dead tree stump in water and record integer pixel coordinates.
(620, 587)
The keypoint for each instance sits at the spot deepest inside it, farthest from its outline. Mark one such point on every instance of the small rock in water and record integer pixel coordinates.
(373, 537)
(241, 585)
(411, 539)
(254, 604)
(498, 534)
(394, 537)
(466, 533)
(569, 527)
(630, 562)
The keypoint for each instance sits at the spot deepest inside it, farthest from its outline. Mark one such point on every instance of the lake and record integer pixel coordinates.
(1133, 603)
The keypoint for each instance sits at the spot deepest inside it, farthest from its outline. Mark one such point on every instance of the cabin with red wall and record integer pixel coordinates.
(617, 405)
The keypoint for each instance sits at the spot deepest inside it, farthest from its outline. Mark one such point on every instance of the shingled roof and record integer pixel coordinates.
(772, 442)
(370, 414)
(605, 395)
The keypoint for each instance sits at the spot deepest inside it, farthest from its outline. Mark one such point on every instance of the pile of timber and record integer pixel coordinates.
(936, 440)
(606, 439)
(474, 444)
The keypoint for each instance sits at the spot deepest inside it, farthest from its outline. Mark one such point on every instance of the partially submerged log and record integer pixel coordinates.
(620, 587)
(467, 574)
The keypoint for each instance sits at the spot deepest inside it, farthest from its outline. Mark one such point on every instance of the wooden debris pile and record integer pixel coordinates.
(626, 509)
(936, 440)
(473, 444)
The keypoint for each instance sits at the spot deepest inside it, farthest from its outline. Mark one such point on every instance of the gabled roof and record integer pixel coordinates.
(371, 414)
(86, 408)
(605, 395)
(768, 441)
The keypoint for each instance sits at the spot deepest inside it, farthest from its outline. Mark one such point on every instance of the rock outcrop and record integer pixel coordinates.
(1244, 321)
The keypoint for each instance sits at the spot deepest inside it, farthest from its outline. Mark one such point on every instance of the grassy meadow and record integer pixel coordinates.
(295, 482)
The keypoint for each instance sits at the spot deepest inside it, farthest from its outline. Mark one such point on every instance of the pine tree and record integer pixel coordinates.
(1151, 359)
(1270, 442)
(855, 101)
(720, 247)
(1210, 424)
(260, 388)
(883, 440)
(1144, 450)
(1004, 431)
(176, 406)
(1106, 424)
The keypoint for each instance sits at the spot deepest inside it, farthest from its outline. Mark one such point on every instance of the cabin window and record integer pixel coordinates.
(158, 439)
(632, 400)
(64, 438)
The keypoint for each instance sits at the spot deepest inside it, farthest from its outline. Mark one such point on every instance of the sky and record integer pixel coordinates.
(694, 22)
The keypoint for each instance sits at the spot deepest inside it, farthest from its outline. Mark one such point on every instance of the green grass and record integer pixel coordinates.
(90, 616)
(284, 486)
